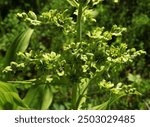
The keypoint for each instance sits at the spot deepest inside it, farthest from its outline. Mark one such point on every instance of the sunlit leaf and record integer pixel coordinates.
(9, 98)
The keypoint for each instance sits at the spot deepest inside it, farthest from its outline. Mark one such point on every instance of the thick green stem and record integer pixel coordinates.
(74, 97)
(79, 22)
(79, 39)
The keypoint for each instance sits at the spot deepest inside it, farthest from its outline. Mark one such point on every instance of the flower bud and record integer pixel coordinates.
(32, 15)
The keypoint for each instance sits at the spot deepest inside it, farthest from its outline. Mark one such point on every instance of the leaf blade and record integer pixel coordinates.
(20, 44)
(47, 97)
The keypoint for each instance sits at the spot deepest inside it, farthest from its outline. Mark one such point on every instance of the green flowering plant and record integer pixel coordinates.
(89, 58)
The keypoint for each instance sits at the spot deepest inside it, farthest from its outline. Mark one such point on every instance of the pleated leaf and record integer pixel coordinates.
(39, 97)
(47, 97)
(20, 44)
(33, 97)
(9, 98)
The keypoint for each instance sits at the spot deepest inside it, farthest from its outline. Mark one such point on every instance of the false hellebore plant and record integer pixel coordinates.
(89, 59)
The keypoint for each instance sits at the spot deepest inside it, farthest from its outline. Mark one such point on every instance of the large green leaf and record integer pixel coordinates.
(9, 98)
(20, 44)
(39, 97)
(112, 99)
(47, 97)
(33, 97)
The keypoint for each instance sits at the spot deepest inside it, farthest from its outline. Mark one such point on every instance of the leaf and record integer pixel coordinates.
(112, 99)
(106, 104)
(9, 98)
(20, 44)
(39, 97)
(79, 93)
(73, 3)
(102, 106)
(47, 97)
(6, 87)
(33, 97)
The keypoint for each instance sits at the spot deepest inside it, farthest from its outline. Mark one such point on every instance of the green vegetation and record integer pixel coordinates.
(86, 54)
